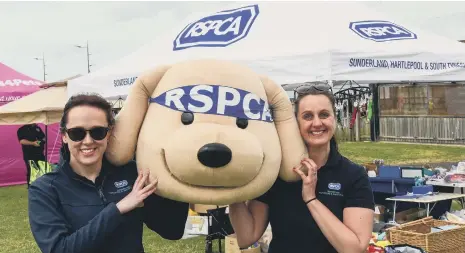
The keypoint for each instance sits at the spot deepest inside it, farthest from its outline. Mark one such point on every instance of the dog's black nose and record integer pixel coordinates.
(214, 155)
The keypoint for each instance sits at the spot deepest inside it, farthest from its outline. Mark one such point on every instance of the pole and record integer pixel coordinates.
(88, 61)
(43, 63)
(87, 53)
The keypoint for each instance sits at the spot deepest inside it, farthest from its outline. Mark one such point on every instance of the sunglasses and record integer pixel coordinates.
(79, 133)
(312, 87)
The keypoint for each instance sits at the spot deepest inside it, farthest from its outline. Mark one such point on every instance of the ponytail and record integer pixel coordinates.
(333, 143)
(64, 153)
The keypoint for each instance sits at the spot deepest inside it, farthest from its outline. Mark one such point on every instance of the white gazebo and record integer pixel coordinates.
(292, 43)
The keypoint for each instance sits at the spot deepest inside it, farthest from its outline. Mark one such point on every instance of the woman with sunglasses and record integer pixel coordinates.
(330, 210)
(90, 205)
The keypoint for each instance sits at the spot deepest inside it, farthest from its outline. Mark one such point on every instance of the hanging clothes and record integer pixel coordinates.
(354, 117)
(370, 109)
(339, 117)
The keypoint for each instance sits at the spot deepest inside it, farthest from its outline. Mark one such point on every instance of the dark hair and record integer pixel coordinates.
(318, 88)
(93, 100)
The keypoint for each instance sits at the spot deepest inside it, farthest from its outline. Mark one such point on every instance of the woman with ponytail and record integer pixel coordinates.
(330, 210)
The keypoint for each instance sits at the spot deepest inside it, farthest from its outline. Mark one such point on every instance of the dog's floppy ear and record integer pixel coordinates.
(292, 146)
(122, 142)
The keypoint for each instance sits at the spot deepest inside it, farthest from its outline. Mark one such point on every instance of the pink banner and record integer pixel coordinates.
(12, 165)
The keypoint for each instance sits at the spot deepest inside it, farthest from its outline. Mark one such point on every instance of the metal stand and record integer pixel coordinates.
(218, 228)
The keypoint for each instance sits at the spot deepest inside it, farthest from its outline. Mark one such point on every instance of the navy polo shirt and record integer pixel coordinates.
(341, 183)
(69, 213)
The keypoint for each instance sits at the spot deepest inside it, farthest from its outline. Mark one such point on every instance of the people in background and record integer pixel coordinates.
(91, 205)
(330, 210)
(32, 140)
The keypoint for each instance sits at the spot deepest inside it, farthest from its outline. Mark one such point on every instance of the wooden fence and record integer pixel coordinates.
(441, 129)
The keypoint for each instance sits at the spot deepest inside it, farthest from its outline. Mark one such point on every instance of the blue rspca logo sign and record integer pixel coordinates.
(218, 30)
(381, 31)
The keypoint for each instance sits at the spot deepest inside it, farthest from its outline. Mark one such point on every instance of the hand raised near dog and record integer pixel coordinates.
(308, 181)
(140, 191)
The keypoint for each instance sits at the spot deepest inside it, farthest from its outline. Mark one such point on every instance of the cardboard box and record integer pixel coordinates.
(196, 225)
(410, 215)
(232, 247)
(379, 213)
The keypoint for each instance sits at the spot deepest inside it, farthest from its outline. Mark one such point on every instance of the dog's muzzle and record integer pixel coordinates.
(214, 155)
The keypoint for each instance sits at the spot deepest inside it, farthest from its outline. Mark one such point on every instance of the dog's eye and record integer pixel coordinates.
(187, 118)
(242, 123)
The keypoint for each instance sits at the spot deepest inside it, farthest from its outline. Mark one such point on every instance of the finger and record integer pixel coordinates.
(301, 174)
(298, 167)
(143, 180)
(155, 182)
(310, 167)
(150, 187)
(146, 194)
(311, 170)
(147, 178)
(307, 164)
(311, 162)
(136, 184)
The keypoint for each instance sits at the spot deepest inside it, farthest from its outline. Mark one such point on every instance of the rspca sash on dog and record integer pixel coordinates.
(216, 99)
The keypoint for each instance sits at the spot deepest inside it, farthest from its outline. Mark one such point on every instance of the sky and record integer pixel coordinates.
(115, 29)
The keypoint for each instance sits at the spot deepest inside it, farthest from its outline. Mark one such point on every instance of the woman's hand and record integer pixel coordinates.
(140, 191)
(308, 181)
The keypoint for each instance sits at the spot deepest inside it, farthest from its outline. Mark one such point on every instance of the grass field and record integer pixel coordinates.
(15, 236)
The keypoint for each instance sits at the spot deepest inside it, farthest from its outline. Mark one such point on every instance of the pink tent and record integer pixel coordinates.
(13, 86)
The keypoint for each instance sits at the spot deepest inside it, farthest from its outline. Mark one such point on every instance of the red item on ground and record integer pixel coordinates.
(375, 249)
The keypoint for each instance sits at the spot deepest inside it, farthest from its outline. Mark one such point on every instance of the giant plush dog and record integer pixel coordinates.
(212, 132)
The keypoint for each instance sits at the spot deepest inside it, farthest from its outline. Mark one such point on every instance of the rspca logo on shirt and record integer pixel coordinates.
(217, 100)
(218, 30)
(121, 184)
(381, 31)
(334, 186)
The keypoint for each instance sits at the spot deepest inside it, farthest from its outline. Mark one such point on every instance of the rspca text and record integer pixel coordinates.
(216, 99)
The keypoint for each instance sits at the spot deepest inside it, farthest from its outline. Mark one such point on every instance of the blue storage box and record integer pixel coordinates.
(385, 171)
(422, 189)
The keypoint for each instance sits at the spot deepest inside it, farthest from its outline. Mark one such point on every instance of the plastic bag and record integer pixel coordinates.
(455, 178)
(403, 248)
(265, 240)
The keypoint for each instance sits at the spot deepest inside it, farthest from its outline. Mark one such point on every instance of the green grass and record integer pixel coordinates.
(401, 153)
(15, 236)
